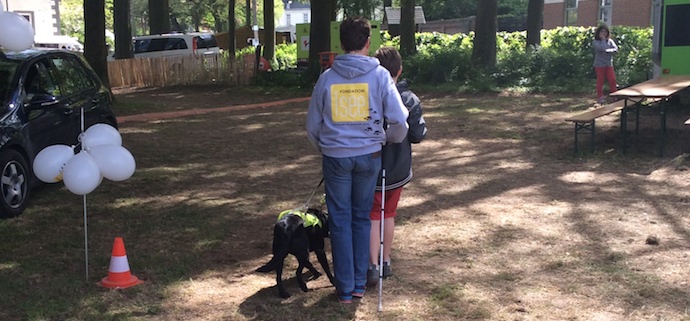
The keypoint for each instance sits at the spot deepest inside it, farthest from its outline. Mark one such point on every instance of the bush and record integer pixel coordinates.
(562, 63)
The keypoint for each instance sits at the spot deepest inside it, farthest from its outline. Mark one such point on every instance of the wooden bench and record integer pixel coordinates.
(587, 120)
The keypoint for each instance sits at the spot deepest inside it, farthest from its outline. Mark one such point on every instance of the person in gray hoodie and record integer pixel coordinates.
(350, 103)
(604, 49)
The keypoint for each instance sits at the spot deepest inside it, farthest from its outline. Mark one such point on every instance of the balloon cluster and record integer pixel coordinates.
(16, 33)
(102, 156)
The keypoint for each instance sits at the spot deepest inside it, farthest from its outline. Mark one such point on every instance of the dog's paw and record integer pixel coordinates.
(284, 294)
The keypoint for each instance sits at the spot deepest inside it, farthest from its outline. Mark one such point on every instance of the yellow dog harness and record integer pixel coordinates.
(308, 218)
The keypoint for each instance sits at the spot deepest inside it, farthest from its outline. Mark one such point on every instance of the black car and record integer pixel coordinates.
(42, 96)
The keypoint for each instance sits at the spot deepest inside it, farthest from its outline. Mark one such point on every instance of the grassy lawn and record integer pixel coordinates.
(502, 220)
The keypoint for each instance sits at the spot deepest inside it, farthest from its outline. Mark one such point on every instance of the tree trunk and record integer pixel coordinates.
(159, 16)
(232, 60)
(248, 13)
(122, 28)
(319, 34)
(95, 49)
(407, 28)
(484, 50)
(269, 30)
(535, 18)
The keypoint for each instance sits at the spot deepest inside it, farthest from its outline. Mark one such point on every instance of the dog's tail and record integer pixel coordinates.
(268, 267)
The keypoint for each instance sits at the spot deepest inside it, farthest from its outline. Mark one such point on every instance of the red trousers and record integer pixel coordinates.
(608, 74)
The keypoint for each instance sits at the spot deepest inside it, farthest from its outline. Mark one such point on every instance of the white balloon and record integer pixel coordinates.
(115, 162)
(101, 134)
(81, 174)
(16, 33)
(50, 161)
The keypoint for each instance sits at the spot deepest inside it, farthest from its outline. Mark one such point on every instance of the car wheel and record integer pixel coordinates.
(14, 183)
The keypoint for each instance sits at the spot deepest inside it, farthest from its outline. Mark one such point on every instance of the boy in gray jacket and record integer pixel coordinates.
(397, 161)
(350, 103)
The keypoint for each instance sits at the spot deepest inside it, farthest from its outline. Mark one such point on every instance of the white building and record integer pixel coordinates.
(44, 15)
(294, 13)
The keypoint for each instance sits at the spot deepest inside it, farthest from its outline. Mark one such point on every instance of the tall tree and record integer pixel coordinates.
(248, 12)
(484, 50)
(269, 30)
(232, 60)
(535, 14)
(159, 16)
(123, 30)
(407, 28)
(95, 50)
(319, 34)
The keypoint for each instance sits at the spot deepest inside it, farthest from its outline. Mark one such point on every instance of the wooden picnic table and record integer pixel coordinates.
(658, 89)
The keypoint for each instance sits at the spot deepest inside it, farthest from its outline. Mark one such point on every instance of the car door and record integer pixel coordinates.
(49, 117)
(80, 89)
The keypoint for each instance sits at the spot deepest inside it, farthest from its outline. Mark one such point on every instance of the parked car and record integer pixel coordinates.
(42, 96)
(175, 44)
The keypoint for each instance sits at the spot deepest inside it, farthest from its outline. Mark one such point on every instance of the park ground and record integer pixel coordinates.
(502, 221)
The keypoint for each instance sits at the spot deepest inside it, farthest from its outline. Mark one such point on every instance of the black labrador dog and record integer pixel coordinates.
(299, 233)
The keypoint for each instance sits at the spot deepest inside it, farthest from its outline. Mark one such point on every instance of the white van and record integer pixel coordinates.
(58, 42)
(175, 44)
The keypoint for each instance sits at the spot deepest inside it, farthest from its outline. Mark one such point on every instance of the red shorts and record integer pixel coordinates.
(391, 206)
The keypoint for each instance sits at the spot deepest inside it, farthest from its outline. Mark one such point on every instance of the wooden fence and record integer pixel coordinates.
(180, 70)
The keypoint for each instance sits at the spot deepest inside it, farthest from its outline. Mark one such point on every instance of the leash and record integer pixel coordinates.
(306, 205)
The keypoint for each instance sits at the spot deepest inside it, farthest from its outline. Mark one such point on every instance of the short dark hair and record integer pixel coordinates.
(389, 58)
(354, 33)
(599, 29)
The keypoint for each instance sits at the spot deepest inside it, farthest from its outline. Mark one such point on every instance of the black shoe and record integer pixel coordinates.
(387, 270)
(373, 275)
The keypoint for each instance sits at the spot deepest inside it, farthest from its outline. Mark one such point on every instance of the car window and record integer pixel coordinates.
(206, 41)
(175, 43)
(75, 78)
(40, 80)
(141, 45)
(7, 70)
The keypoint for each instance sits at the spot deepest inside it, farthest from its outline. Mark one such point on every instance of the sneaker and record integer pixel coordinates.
(344, 298)
(359, 290)
(387, 269)
(373, 275)
(602, 100)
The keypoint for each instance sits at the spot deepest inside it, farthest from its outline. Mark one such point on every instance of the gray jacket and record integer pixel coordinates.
(603, 52)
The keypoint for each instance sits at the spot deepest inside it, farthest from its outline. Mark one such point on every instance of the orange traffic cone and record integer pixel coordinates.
(118, 273)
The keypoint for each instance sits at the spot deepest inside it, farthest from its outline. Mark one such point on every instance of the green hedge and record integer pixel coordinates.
(562, 63)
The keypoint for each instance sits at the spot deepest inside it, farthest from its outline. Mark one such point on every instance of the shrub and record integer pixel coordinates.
(562, 63)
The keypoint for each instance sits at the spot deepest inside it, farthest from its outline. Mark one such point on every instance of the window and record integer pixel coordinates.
(39, 80)
(288, 19)
(75, 78)
(605, 11)
(305, 17)
(570, 12)
(677, 31)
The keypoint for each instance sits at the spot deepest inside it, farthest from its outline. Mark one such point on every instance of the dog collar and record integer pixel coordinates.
(308, 218)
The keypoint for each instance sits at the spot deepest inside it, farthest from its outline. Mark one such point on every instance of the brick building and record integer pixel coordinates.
(588, 13)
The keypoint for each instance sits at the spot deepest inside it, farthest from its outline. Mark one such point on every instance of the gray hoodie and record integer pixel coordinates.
(603, 52)
(348, 107)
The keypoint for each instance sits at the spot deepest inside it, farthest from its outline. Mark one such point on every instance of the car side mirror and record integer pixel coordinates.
(42, 100)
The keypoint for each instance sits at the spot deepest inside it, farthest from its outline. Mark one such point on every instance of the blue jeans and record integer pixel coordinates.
(350, 183)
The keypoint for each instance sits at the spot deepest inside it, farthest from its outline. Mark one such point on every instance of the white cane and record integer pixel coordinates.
(381, 223)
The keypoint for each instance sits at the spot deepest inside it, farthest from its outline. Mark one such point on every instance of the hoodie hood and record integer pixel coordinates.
(350, 65)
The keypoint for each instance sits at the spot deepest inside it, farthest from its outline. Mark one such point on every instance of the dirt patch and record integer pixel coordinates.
(502, 221)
